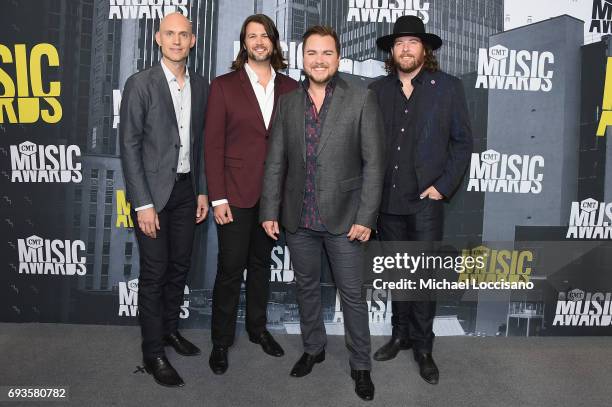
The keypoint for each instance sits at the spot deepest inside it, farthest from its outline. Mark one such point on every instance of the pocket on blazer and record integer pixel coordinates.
(233, 162)
(351, 184)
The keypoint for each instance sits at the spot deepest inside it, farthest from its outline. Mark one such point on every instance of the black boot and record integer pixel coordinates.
(390, 349)
(363, 384)
(163, 372)
(427, 367)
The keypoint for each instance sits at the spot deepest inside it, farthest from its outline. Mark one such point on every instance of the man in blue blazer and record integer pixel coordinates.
(428, 146)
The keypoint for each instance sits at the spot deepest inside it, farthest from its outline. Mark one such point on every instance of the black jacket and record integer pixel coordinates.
(444, 135)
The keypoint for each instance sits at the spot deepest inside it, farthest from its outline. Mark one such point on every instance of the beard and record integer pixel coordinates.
(259, 57)
(410, 65)
(319, 80)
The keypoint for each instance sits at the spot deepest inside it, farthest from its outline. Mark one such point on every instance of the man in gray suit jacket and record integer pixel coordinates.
(161, 131)
(323, 181)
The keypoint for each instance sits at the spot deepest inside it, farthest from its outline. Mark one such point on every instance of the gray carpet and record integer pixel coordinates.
(98, 365)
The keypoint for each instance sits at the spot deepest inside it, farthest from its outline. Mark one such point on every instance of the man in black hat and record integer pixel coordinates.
(428, 145)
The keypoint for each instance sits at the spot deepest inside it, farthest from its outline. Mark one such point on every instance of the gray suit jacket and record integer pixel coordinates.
(350, 163)
(150, 141)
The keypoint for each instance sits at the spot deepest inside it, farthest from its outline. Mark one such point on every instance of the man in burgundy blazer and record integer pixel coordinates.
(239, 116)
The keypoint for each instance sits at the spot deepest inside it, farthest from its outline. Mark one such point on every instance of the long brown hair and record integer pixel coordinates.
(430, 63)
(276, 59)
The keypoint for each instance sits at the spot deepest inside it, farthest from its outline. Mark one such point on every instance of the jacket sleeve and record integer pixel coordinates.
(372, 156)
(214, 143)
(132, 113)
(275, 168)
(460, 143)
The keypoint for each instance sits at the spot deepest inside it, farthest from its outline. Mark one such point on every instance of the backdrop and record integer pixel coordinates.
(535, 76)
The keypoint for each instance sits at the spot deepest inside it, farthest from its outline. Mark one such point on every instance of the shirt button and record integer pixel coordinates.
(393, 185)
(396, 167)
(402, 130)
(406, 111)
(398, 148)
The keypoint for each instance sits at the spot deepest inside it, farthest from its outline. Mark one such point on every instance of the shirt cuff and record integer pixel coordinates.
(140, 208)
(219, 202)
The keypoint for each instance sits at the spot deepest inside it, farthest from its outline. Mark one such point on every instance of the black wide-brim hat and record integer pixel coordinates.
(412, 26)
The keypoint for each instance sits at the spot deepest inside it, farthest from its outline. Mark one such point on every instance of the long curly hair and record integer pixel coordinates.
(277, 61)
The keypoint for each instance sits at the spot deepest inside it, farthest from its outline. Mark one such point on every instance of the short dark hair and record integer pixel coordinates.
(276, 60)
(430, 64)
(323, 31)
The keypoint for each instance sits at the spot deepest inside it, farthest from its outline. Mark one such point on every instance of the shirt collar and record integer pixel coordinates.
(417, 80)
(253, 76)
(169, 75)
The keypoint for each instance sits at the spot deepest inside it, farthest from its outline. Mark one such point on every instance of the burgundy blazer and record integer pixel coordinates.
(236, 138)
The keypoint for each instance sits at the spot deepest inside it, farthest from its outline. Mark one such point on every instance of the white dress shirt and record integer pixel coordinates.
(181, 99)
(265, 99)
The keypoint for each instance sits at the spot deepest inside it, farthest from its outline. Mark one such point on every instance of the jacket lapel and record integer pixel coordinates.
(298, 119)
(277, 93)
(195, 92)
(426, 103)
(164, 91)
(247, 88)
(332, 115)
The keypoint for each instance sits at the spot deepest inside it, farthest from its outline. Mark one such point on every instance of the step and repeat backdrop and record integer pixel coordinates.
(539, 89)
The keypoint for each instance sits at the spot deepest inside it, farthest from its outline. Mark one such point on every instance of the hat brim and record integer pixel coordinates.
(386, 43)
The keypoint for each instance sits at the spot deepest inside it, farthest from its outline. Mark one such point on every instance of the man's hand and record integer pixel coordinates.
(432, 193)
(148, 222)
(359, 232)
(271, 228)
(223, 214)
(202, 210)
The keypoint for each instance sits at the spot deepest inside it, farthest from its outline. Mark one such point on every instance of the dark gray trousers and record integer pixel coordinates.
(346, 260)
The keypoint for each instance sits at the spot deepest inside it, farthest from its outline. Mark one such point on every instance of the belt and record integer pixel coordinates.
(182, 176)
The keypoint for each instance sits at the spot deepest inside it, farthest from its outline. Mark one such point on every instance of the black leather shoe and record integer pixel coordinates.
(268, 344)
(363, 384)
(163, 372)
(218, 360)
(427, 367)
(390, 349)
(181, 345)
(304, 366)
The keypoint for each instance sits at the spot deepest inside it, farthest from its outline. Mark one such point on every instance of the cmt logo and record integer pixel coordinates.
(54, 257)
(378, 11)
(17, 103)
(50, 163)
(128, 300)
(579, 308)
(606, 116)
(491, 171)
(590, 219)
(601, 17)
(124, 218)
(501, 68)
(145, 9)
